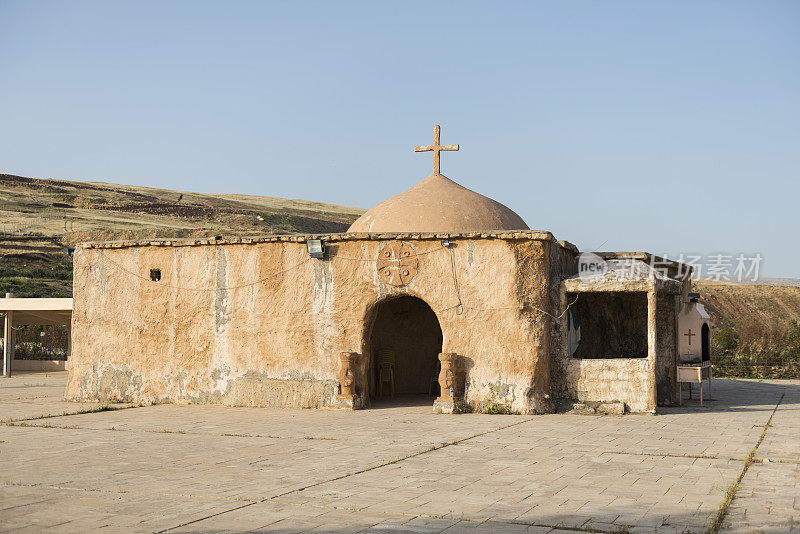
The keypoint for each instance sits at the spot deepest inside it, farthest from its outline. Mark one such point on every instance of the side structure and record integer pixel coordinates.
(618, 341)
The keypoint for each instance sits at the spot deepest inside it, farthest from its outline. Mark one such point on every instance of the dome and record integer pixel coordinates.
(438, 204)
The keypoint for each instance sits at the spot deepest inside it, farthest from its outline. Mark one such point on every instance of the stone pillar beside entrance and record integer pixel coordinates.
(348, 398)
(452, 383)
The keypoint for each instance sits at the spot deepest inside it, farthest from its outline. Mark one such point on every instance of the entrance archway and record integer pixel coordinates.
(705, 343)
(409, 330)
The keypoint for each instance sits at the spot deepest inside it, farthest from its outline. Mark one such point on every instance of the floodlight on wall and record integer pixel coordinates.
(316, 248)
(446, 243)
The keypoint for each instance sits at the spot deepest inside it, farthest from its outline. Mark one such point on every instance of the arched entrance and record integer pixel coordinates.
(406, 330)
(705, 343)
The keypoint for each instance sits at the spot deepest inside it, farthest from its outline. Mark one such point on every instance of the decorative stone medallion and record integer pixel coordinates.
(397, 263)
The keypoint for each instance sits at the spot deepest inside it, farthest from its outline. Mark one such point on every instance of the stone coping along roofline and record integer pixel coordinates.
(675, 269)
(302, 238)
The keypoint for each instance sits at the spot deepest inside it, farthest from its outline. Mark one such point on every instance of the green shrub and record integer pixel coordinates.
(35, 342)
(45, 273)
(495, 408)
(32, 288)
(754, 351)
(463, 407)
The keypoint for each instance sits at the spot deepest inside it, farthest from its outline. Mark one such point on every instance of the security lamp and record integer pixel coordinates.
(316, 248)
(447, 243)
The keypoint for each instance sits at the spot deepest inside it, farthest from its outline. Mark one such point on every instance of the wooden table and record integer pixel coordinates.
(692, 373)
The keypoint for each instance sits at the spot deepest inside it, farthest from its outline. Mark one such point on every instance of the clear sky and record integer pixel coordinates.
(662, 126)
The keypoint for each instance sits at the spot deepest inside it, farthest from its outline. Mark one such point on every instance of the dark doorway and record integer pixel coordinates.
(704, 343)
(404, 329)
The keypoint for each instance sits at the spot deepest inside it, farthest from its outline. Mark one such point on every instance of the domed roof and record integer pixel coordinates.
(438, 204)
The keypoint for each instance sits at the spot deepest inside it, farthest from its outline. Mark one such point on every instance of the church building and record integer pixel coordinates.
(438, 291)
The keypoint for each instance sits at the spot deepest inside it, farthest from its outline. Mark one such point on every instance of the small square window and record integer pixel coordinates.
(155, 275)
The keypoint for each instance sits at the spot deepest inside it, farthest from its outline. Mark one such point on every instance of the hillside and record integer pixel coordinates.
(75, 211)
(758, 304)
(756, 328)
(40, 217)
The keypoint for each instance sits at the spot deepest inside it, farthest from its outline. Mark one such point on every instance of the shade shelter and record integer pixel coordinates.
(18, 312)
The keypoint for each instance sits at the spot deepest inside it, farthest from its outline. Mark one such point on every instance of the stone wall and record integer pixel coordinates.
(610, 380)
(259, 323)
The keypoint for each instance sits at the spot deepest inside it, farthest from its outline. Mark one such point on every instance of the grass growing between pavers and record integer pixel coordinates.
(716, 524)
(389, 462)
(504, 482)
(97, 409)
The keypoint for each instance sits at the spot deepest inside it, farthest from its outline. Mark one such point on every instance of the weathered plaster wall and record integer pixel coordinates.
(564, 263)
(262, 324)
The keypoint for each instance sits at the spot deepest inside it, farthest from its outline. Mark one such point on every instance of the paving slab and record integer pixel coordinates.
(34, 395)
(768, 499)
(395, 468)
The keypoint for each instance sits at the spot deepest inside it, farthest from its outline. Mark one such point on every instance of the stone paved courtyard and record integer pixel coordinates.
(186, 468)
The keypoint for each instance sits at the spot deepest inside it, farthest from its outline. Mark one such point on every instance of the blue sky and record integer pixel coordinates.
(670, 127)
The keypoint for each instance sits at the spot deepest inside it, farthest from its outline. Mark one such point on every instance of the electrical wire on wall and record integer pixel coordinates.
(459, 306)
(211, 289)
(338, 257)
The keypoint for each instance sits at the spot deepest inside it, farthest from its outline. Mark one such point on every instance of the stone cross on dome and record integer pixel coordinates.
(435, 148)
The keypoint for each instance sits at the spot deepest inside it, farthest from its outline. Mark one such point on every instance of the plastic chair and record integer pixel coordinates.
(385, 359)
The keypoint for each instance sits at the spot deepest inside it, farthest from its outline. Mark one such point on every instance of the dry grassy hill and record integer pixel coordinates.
(756, 328)
(38, 218)
(757, 304)
(74, 211)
